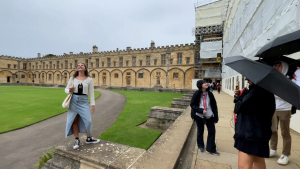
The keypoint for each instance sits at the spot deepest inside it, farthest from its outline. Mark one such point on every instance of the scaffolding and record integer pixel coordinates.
(210, 13)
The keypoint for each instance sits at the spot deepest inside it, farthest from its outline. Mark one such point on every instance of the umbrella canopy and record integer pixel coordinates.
(266, 77)
(283, 45)
(293, 64)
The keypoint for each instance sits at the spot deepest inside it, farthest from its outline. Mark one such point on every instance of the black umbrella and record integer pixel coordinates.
(266, 77)
(283, 45)
(293, 64)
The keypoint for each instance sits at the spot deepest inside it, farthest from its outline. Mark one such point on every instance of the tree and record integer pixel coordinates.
(49, 56)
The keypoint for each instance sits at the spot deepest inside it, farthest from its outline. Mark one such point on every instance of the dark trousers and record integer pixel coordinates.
(210, 124)
(219, 91)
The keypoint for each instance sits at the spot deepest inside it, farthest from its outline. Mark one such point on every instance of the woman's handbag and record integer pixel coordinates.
(66, 103)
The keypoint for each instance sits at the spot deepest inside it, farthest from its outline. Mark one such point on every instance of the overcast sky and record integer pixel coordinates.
(29, 27)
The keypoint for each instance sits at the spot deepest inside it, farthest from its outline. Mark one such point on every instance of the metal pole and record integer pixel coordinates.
(168, 57)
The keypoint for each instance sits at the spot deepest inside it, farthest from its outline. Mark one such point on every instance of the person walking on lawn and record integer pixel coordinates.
(205, 112)
(79, 115)
(283, 115)
(254, 109)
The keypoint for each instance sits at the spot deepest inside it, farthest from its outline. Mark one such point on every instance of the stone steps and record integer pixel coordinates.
(93, 156)
(162, 117)
(187, 96)
(180, 103)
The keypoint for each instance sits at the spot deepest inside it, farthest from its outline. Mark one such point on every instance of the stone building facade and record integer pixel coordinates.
(141, 67)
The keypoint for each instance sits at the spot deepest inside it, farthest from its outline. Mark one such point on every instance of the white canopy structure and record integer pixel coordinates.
(210, 49)
(210, 12)
(212, 74)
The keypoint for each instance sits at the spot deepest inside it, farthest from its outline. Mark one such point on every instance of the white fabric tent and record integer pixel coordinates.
(212, 73)
(210, 49)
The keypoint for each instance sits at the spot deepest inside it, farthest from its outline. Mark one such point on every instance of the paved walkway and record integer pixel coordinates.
(22, 148)
(224, 140)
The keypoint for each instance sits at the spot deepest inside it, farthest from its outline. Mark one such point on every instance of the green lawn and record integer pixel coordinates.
(24, 105)
(125, 130)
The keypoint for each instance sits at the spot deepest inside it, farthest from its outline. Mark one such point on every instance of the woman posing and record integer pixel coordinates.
(79, 115)
(205, 111)
(254, 109)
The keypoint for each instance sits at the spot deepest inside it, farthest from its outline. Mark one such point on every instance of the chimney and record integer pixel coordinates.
(128, 48)
(152, 44)
(95, 48)
(39, 55)
(71, 53)
(117, 49)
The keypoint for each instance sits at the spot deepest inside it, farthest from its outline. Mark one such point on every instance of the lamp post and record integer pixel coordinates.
(168, 58)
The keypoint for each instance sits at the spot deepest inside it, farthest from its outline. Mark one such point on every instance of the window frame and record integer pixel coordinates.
(108, 62)
(121, 62)
(177, 75)
(163, 60)
(133, 61)
(141, 75)
(148, 60)
(179, 58)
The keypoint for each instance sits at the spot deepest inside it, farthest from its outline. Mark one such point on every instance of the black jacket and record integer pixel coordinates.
(254, 115)
(195, 102)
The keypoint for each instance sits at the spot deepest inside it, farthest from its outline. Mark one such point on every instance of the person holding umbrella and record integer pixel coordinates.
(267, 80)
(254, 108)
(282, 115)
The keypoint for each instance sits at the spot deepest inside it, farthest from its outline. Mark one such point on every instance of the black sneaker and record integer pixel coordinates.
(91, 140)
(201, 150)
(76, 144)
(215, 153)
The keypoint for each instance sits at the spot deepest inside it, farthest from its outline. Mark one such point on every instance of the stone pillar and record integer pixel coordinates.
(168, 54)
(19, 71)
(89, 64)
(95, 48)
(152, 44)
(40, 73)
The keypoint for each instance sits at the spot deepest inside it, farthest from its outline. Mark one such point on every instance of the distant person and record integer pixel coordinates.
(283, 115)
(254, 109)
(219, 87)
(205, 112)
(211, 87)
(79, 115)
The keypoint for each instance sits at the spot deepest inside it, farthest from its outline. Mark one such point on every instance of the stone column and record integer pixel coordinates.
(168, 54)
(40, 74)
(89, 64)
(19, 71)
